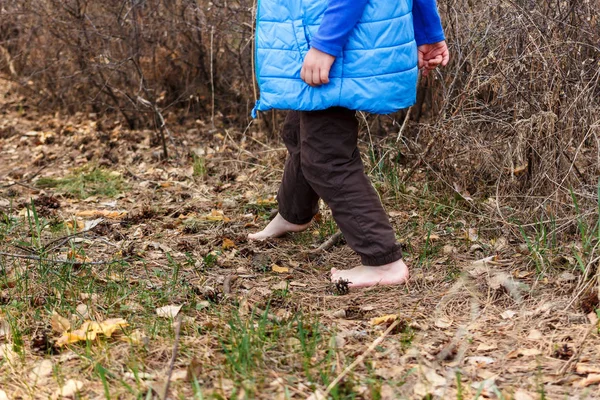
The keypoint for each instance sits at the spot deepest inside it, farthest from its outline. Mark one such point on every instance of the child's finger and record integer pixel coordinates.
(324, 75)
(316, 77)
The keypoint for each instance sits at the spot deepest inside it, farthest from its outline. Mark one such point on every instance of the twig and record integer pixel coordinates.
(327, 245)
(361, 357)
(29, 179)
(174, 355)
(36, 258)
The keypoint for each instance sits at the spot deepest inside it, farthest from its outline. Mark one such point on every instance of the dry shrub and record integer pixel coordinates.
(111, 55)
(517, 112)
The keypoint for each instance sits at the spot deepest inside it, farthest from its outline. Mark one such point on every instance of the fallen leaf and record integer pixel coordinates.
(3, 395)
(523, 395)
(228, 244)
(386, 319)
(69, 390)
(101, 213)
(89, 330)
(216, 215)
(471, 235)
(584, 369)
(486, 347)
(523, 352)
(7, 352)
(279, 270)
(443, 322)
(534, 334)
(591, 379)
(59, 324)
(168, 311)
(479, 360)
(508, 314)
(42, 370)
(520, 169)
(91, 224)
(283, 285)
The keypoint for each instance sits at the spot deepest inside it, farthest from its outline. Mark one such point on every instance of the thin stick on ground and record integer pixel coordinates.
(327, 245)
(174, 355)
(361, 358)
(48, 260)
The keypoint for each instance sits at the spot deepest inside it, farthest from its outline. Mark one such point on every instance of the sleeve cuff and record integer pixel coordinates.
(421, 40)
(334, 51)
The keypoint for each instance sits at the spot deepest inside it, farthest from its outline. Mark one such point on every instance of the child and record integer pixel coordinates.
(325, 59)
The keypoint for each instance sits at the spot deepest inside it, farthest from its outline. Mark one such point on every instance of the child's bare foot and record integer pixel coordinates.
(277, 227)
(395, 273)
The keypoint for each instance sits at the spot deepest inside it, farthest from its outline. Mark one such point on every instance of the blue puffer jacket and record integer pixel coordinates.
(376, 72)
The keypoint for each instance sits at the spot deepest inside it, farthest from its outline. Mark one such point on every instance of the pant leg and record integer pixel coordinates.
(298, 202)
(331, 164)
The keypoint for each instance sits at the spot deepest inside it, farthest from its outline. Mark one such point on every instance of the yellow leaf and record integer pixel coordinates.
(520, 169)
(89, 330)
(279, 270)
(228, 244)
(386, 319)
(102, 213)
(216, 215)
(59, 324)
(71, 225)
(110, 326)
(269, 201)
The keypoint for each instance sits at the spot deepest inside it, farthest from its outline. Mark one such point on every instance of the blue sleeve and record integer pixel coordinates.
(427, 22)
(339, 20)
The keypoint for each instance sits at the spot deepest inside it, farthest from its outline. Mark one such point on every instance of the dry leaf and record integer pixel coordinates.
(584, 369)
(471, 235)
(283, 285)
(59, 324)
(216, 215)
(591, 379)
(228, 244)
(534, 334)
(386, 319)
(69, 390)
(168, 311)
(443, 322)
(523, 395)
(270, 201)
(523, 352)
(42, 370)
(102, 213)
(520, 169)
(508, 314)
(78, 225)
(7, 352)
(89, 330)
(480, 360)
(136, 337)
(3, 395)
(486, 347)
(279, 270)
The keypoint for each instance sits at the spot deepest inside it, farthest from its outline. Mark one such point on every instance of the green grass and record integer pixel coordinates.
(85, 182)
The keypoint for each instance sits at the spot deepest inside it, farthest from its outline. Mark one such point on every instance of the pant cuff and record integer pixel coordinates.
(379, 260)
(294, 220)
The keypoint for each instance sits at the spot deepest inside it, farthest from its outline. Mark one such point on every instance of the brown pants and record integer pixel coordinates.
(324, 162)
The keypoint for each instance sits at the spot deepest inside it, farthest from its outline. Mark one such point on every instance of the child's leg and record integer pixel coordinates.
(298, 202)
(331, 164)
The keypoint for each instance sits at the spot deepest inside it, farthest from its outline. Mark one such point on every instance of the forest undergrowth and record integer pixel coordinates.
(127, 275)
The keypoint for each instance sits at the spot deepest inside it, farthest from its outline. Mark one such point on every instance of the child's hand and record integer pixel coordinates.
(433, 55)
(315, 70)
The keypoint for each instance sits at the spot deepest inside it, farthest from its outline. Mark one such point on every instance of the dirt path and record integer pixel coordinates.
(258, 320)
